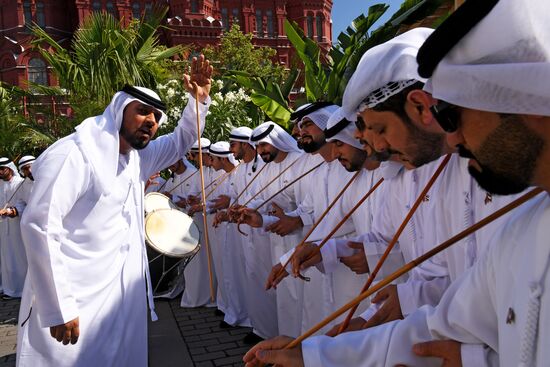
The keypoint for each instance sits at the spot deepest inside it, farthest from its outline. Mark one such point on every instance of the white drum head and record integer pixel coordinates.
(171, 232)
(156, 200)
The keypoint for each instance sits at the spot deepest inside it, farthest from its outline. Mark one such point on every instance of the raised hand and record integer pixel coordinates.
(199, 82)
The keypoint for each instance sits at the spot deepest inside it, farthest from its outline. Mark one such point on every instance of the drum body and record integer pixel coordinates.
(155, 201)
(173, 240)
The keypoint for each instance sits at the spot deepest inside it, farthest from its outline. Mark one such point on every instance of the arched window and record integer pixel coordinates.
(111, 8)
(270, 28)
(136, 11)
(96, 6)
(225, 19)
(310, 26)
(40, 17)
(27, 12)
(259, 23)
(36, 71)
(319, 20)
(194, 6)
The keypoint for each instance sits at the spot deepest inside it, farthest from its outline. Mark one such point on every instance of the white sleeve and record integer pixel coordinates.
(57, 189)
(391, 343)
(163, 151)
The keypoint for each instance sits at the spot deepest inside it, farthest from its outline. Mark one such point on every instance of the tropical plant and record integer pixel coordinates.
(326, 77)
(229, 109)
(104, 55)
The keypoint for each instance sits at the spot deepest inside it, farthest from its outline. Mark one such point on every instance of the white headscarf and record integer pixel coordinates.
(383, 71)
(6, 162)
(98, 137)
(221, 149)
(343, 131)
(320, 117)
(241, 134)
(277, 137)
(502, 64)
(25, 160)
(205, 143)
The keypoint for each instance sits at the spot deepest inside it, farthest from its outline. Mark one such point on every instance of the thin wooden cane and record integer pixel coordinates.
(414, 263)
(248, 185)
(182, 182)
(396, 236)
(321, 217)
(341, 223)
(205, 221)
(225, 176)
(15, 192)
(290, 184)
(270, 182)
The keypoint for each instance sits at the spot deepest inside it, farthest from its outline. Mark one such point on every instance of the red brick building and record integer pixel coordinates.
(198, 22)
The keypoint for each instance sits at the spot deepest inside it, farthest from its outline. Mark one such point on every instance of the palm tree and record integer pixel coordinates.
(104, 55)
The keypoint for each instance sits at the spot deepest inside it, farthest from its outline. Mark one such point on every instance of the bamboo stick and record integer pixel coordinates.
(395, 238)
(414, 263)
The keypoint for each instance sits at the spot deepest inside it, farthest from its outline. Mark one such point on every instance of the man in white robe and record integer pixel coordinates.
(197, 277)
(227, 250)
(13, 200)
(286, 163)
(502, 301)
(83, 232)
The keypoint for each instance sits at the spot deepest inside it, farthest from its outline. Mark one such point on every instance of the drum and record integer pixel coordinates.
(156, 200)
(173, 241)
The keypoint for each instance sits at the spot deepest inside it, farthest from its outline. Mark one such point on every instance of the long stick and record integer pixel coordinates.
(205, 221)
(270, 182)
(225, 176)
(414, 263)
(290, 184)
(15, 192)
(319, 220)
(182, 182)
(248, 185)
(346, 217)
(395, 238)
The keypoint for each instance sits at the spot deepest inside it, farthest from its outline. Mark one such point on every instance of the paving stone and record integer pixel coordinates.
(228, 360)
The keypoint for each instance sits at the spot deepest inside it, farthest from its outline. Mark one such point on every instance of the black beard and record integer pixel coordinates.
(312, 146)
(428, 146)
(268, 157)
(133, 140)
(507, 157)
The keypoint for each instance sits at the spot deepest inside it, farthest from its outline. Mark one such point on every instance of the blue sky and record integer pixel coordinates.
(344, 11)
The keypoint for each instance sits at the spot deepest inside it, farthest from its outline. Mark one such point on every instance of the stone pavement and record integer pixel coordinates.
(181, 337)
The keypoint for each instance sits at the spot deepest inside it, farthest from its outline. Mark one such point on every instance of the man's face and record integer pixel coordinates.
(311, 136)
(217, 163)
(268, 152)
(177, 167)
(237, 148)
(5, 173)
(503, 150)
(206, 159)
(139, 124)
(350, 157)
(392, 134)
(296, 135)
(27, 171)
(365, 138)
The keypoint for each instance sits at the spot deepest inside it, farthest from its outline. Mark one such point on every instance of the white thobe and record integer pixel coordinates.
(12, 251)
(502, 302)
(232, 279)
(289, 292)
(197, 277)
(86, 253)
(261, 305)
